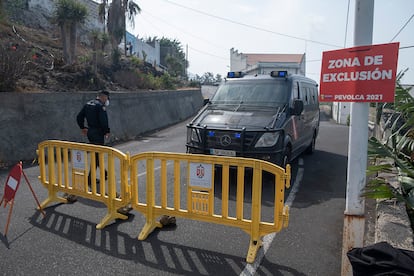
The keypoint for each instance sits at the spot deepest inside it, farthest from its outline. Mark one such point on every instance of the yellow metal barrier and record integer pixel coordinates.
(195, 197)
(222, 190)
(65, 167)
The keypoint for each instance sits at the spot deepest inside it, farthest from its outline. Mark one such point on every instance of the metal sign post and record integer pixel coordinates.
(361, 74)
(354, 221)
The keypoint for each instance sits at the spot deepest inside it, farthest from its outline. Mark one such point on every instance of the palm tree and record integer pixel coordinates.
(99, 41)
(116, 19)
(68, 15)
(102, 11)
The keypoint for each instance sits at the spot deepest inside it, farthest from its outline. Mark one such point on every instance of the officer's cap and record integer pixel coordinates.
(104, 92)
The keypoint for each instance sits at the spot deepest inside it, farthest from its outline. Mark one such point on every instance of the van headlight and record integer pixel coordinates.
(194, 135)
(268, 139)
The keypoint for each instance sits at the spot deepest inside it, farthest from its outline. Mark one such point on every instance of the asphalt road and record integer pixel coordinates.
(66, 242)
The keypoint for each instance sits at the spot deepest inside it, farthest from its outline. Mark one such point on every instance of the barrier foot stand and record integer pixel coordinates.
(110, 216)
(50, 199)
(148, 228)
(253, 249)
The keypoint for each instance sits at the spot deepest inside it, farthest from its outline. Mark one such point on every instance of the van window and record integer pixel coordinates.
(312, 93)
(255, 93)
(303, 92)
(306, 95)
(309, 93)
(295, 90)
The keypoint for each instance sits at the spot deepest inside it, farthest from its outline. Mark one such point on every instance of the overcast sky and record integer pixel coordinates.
(209, 29)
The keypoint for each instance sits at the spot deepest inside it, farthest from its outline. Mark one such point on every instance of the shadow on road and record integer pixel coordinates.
(167, 257)
(324, 178)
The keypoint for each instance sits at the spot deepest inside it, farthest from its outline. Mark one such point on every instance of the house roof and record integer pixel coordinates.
(256, 58)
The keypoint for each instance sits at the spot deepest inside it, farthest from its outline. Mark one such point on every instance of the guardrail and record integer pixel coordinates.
(203, 186)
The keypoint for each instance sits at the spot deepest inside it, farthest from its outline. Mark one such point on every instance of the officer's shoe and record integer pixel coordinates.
(168, 221)
(124, 210)
(70, 198)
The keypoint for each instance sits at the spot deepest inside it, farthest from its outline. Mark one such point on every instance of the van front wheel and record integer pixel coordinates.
(286, 157)
(311, 148)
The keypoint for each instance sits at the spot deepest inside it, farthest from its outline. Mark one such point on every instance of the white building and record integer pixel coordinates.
(265, 63)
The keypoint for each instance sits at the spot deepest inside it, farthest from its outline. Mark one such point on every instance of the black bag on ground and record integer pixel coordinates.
(381, 259)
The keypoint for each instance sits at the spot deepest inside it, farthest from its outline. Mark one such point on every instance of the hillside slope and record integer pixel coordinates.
(45, 69)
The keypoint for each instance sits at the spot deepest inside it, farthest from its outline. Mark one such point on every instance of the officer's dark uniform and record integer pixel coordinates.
(97, 119)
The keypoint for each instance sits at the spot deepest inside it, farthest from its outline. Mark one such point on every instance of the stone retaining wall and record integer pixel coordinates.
(29, 118)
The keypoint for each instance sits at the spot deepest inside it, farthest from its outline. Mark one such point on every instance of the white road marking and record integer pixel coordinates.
(251, 269)
(155, 169)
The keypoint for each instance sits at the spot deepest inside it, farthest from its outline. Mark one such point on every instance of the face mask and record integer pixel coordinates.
(107, 103)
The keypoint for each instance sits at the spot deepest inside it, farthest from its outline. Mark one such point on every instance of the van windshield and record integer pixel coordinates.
(255, 93)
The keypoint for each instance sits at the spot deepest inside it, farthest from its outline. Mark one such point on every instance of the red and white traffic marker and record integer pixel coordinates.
(10, 189)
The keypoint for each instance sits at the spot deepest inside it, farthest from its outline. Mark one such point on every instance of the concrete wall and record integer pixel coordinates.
(208, 91)
(29, 118)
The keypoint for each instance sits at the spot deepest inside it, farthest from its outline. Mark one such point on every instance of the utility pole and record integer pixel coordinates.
(354, 221)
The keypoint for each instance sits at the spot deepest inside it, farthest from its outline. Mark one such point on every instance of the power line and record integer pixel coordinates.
(251, 26)
(202, 52)
(151, 24)
(182, 30)
(402, 28)
(196, 50)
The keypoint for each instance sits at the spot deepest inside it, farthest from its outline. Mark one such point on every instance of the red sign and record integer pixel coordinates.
(359, 74)
(12, 183)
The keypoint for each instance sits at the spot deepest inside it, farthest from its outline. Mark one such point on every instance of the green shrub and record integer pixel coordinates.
(13, 65)
(167, 81)
(395, 154)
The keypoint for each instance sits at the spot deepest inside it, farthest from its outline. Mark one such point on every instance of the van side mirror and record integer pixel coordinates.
(297, 107)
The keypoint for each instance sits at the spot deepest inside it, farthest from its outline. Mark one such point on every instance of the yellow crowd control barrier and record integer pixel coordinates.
(204, 190)
(221, 190)
(66, 167)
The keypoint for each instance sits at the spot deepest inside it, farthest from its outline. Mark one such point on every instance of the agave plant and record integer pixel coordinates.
(394, 154)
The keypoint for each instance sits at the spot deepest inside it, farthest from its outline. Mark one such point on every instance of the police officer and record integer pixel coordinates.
(97, 129)
(96, 117)
(95, 114)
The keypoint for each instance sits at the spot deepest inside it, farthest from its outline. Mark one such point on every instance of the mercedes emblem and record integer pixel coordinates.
(225, 140)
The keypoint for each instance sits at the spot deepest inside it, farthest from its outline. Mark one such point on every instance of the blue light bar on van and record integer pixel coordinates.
(210, 133)
(279, 74)
(231, 75)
